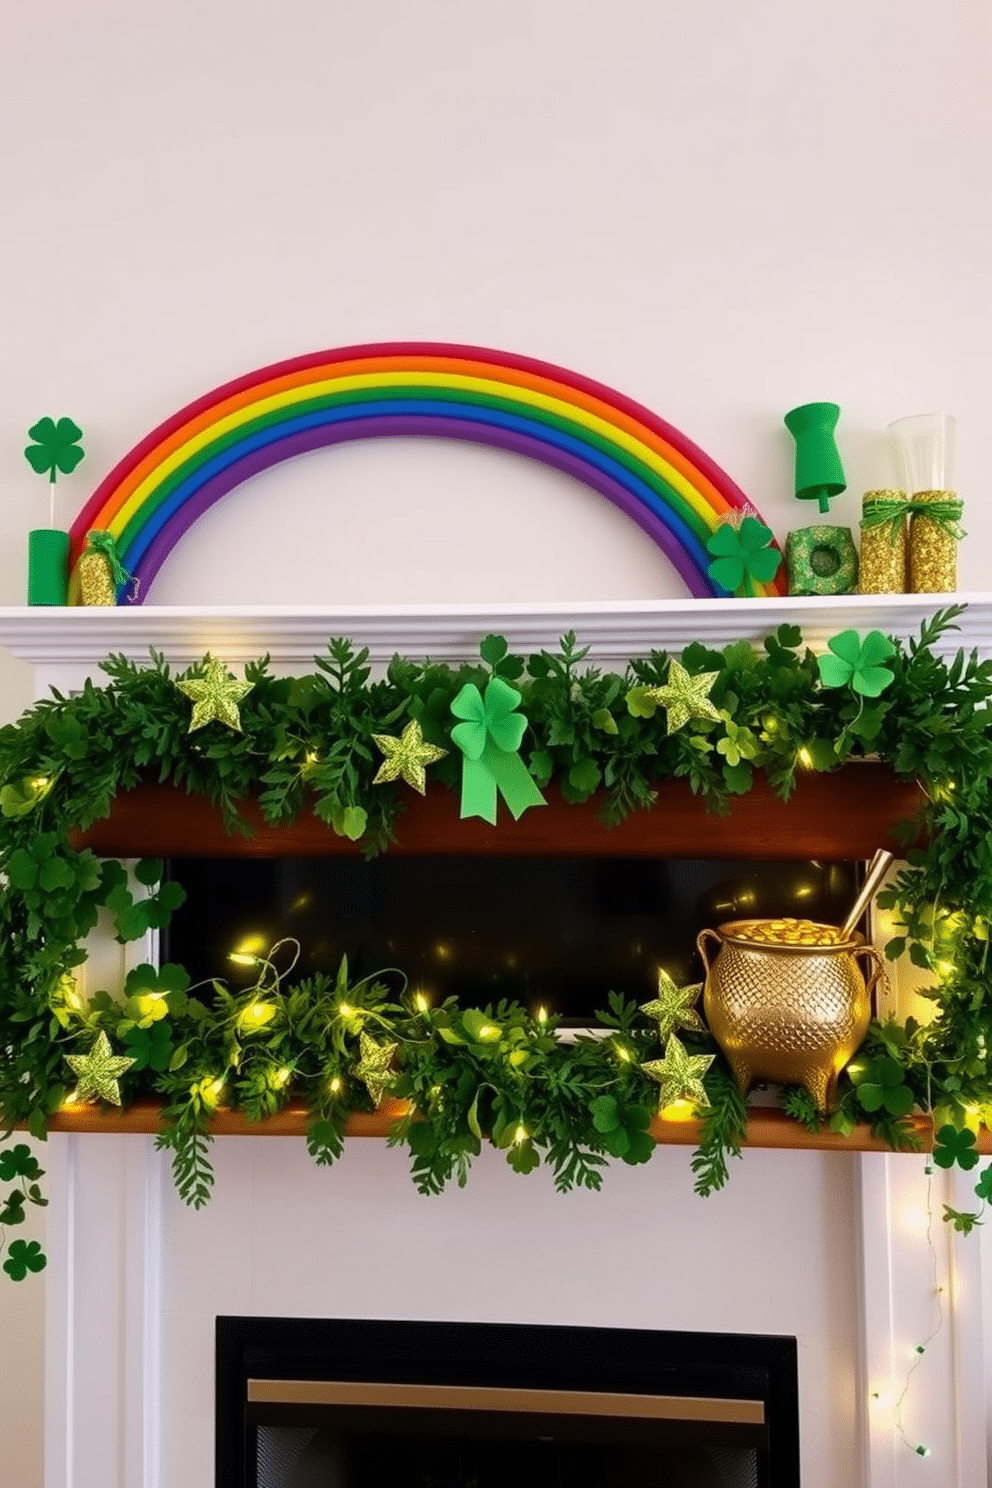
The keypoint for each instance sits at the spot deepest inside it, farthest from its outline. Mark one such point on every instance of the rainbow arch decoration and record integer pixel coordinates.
(205, 451)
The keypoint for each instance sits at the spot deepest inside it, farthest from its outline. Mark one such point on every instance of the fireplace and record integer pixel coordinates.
(358, 1404)
(816, 1245)
(556, 932)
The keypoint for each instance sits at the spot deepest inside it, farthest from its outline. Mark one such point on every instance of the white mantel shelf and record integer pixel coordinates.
(614, 630)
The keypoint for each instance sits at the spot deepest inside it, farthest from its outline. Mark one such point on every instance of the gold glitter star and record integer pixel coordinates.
(684, 697)
(673, 1007)
(679, 1074)
(373, 1067)
(98, 1071)
(407, 756)
(215, 696)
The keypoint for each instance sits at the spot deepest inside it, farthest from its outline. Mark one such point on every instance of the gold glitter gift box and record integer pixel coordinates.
(100, 570)
(96, 587)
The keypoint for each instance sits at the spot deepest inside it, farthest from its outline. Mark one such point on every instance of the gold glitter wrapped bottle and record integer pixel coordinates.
(923, 448)
(882, 565)
(934, 534)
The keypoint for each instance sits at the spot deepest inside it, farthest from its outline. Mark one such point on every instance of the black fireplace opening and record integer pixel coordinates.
(347, 1403)
(552, 932)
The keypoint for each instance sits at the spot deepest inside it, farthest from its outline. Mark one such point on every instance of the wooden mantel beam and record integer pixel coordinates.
(843, 815)
(767, 1127)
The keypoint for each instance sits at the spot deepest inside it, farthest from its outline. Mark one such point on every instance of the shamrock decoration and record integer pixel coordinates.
(152, 1047)
(683, 696)
(679, 1074)
(952, 1146)
(407, 756)
(624, 1128)
(373, 1067)
(153, 992)
(742, 554)
(738, 743)
(22, 1257)
(489, 738)
(56, 447)
(98, 1071)
(983, 1187)
(857, 662)
(18, 1162)
(215, 696)
(879, 1083)
(673, 1007)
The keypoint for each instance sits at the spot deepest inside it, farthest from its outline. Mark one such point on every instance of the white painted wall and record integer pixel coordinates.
(721, 210)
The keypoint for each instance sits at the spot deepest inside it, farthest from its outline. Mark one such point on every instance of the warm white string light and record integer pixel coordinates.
(920, 1449)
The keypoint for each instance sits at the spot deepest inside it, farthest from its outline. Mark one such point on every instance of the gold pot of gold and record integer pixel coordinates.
(787, 1000)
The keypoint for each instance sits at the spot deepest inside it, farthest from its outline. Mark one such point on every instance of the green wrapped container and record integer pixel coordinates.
(48, 566)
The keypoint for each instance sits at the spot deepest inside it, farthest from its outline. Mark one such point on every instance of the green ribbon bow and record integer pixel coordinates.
(103, 542)
(889, 511)
(489, 740)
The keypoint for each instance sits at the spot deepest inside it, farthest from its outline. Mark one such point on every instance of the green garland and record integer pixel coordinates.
(492, 1073)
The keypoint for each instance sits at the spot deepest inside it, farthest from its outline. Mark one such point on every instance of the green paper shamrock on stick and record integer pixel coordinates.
(56, 447)
(489, 739)
(857, 662)
(742, 556)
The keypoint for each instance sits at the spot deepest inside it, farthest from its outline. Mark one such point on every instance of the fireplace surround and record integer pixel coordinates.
(825, 1242)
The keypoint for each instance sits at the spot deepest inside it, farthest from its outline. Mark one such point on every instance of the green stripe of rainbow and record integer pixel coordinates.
(664, 482)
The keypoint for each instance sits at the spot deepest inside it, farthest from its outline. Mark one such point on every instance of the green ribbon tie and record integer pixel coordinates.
(489, 740)
(889, 511)
(103, 542)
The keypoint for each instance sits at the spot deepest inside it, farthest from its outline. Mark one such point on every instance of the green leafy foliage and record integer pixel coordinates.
(964, 1221)
(723, 1132)
(491, 1074)
(803, 1108)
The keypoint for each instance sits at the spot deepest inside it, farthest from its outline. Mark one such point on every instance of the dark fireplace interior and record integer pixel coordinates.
(330, 1403)
(553, 932)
